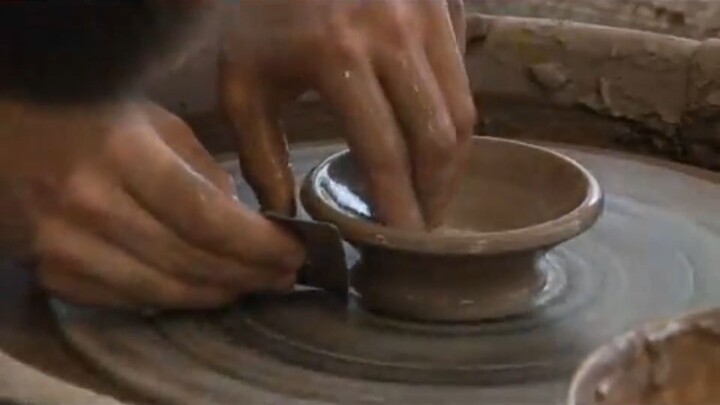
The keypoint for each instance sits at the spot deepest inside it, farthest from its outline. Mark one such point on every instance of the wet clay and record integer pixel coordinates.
(677, 363)
(486, 260)
(652, 255)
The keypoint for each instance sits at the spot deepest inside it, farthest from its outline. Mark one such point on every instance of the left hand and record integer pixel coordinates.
(121, 206)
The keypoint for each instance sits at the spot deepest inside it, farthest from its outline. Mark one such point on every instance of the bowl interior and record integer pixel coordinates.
(506, 186)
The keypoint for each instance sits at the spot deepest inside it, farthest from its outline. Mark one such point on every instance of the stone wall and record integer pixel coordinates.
(687, 18)
(611, 87)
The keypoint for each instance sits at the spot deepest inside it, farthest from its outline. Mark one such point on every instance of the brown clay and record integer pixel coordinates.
(634, 75)
(687, 18)
(515, 202)
(651, 255)
(673, 363)
(597, 85)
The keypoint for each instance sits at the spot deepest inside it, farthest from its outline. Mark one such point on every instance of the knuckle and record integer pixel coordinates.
(400, 31)
(434, 160)
(398, 48)
(50, 247)
(466, 119)
(403, 14)
(440, 146)
(118, 150)
(174, 294)
(346, 49)
(399, 21)
(223, 272)
(204, 222)
(81, 193)
(441, 156)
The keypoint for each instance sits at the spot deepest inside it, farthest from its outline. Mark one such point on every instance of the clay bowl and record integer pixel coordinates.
(516, 201)
(667, 363)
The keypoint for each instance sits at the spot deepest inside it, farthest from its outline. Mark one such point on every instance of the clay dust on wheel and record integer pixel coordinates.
(651, 255)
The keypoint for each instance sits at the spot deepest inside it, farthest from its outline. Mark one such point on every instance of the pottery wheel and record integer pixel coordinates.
(653, 254)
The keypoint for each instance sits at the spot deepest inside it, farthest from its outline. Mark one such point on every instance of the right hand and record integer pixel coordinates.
(126, 209)
(392, 70)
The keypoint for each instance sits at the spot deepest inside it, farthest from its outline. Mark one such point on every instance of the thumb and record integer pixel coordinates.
(261, 145)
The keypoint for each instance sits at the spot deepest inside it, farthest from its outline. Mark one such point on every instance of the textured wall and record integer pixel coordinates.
(689, 18)
(611, 87)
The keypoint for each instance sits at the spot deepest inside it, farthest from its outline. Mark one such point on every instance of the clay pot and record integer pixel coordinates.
(667, 363)
(515, 202)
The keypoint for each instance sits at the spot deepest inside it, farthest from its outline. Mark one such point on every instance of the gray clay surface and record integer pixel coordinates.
(652, 255)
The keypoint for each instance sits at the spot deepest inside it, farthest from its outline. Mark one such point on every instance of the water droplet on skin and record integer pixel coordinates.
(347, 74)
(467, 302)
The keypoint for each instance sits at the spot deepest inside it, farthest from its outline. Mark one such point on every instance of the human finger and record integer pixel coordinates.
(203, 216)
(92, 258)
(114, 215)
(261, 144)
(65, 284)
(449, 69)
(429, 130)
(375, 140)
(456, 10)
(180, 137)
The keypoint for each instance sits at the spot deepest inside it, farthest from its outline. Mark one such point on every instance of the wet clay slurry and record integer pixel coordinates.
(673, 363)
(652, 255)
(486, 262)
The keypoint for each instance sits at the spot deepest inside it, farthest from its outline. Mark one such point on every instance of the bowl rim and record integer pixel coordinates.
(538, 236)
(605, 356)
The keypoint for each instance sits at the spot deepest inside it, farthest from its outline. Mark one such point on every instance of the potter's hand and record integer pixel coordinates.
(391, 68)
(127, 209)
